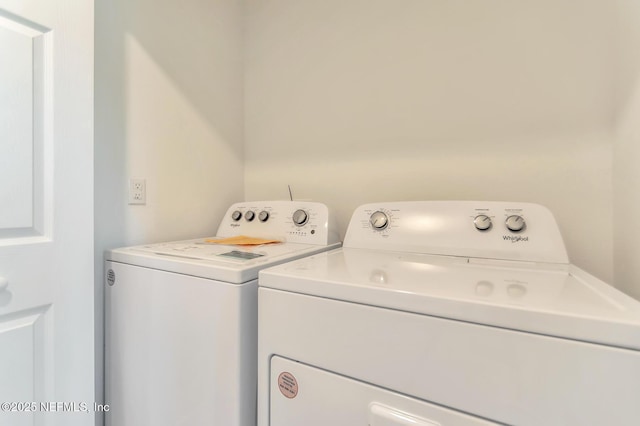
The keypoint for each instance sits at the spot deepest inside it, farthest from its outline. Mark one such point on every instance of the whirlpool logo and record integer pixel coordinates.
(515, 239)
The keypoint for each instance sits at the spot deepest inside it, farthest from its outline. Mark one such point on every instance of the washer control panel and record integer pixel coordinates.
(292, 221)
(490, 229)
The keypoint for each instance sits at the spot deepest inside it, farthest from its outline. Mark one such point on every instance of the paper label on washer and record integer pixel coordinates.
(288, 385)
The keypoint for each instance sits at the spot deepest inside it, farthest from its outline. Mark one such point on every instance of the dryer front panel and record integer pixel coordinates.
(305, 395)
(503, 375)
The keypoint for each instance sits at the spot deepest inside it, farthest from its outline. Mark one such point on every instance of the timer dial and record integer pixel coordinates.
(236, 215)
(249, 216)
(263, 216)
(379, 220)
(515, 223)
(300, 217)
(482, 222)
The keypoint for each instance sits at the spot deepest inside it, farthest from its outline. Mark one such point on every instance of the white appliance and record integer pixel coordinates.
(446, 313)
(181, 317)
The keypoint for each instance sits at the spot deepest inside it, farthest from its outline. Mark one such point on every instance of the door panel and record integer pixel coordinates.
(23, 366)
(25, 111)
(46, 212)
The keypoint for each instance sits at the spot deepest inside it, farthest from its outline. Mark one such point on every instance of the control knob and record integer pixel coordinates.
(249, 216)
(379, 220)
(482, 222)
(515, 223)
(236, 215)
(263, 216)
(300, 217)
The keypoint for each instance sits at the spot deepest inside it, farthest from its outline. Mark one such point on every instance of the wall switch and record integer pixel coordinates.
(137, 191)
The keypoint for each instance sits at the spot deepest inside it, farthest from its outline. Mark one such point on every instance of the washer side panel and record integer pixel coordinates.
(179, 349)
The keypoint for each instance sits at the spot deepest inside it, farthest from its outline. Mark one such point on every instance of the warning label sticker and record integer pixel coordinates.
(288, 385)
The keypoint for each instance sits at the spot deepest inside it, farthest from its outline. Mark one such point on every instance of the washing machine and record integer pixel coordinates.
(446, 313)
(181, 317)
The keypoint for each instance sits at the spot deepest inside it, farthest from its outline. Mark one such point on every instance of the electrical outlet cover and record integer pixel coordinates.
(137, 191)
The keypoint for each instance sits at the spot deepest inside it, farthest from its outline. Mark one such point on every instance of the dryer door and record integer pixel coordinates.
(305, 395)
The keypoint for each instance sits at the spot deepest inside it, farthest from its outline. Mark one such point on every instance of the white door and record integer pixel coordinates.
(46, 212)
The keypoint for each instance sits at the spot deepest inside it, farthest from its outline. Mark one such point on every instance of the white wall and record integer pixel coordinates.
(369, 100)
(627, 149)
(169, 110)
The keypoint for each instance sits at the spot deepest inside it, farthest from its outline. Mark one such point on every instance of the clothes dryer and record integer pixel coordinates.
(181, 317)
(446, 313)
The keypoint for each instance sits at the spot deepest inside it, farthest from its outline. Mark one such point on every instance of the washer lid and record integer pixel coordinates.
(232, 264)
(550, 299)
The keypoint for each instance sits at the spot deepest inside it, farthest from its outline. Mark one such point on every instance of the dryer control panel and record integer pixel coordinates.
(482, 229)
(302, 222)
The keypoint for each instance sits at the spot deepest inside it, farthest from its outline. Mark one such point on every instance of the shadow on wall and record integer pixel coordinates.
(196, 44)
(168, 109)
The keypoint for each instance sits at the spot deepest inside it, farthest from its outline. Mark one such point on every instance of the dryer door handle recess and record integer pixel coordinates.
(381, 415)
